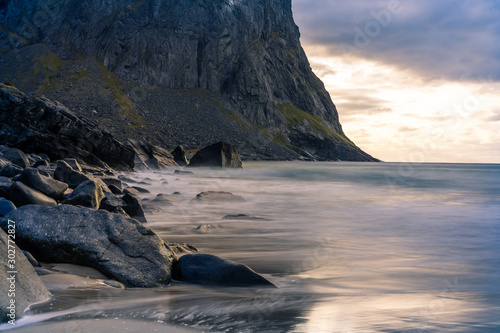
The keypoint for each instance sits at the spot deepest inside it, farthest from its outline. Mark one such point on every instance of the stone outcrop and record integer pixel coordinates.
(220, 154)
(40, 126)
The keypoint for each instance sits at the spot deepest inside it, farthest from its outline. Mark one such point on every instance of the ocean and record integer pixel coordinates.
(353, 247)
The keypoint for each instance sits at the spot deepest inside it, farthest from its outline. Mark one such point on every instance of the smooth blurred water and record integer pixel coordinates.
(354, 247)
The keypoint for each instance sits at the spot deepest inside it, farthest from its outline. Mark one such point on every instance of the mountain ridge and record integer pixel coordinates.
(214, 70)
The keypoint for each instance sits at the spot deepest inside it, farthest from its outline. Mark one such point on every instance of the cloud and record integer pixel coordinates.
(446, 39)
(494, 117)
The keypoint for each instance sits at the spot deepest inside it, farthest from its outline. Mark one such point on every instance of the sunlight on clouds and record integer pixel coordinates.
(395, 115)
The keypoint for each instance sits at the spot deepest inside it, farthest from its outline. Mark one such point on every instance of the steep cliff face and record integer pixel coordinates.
(240, 59)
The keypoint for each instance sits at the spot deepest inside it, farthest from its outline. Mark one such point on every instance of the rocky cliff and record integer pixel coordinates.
(175, 72)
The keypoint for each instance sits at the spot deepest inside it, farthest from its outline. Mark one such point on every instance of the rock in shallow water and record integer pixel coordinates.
(208, 269)
(214, 196)
(119, 247)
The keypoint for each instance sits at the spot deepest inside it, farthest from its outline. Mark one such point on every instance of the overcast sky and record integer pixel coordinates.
(413, 80)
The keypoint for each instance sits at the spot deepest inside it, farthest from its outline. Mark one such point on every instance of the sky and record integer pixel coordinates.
(413, 80)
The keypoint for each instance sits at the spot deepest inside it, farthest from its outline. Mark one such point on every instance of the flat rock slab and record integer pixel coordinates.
(117, 246)
(208, 269)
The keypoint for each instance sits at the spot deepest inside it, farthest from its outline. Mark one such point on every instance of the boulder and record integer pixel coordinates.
(220, 154)
(6, 206)
(204, 228)
(117, 246)
(111, 202)
(133, 208)
(215, 196)
(29, 289)
(69, 176)
(152, 157)
(48, 186)
(17, 157)
(164, 199)
(208, 269)
(87, 194)
(10, 170)
(179, 155)
(22, 195)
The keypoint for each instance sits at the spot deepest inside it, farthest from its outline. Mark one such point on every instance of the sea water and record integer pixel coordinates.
(353, 247)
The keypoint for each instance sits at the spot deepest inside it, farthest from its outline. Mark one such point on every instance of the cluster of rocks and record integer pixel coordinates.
(34, 180)
(67, 211)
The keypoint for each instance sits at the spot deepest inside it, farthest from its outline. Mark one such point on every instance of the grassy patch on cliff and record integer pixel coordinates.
(296, 117)
(127, 109)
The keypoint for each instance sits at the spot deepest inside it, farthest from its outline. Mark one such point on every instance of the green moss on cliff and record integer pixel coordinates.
(127, 109)
(296, 117)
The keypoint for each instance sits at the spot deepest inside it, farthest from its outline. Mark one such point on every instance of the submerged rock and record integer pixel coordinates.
(211, 270)
(220, 154)
(117, 246)
(29, 289)
(216, 196)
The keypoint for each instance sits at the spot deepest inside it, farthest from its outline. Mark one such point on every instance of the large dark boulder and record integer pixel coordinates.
(87, 194)
(119, 247)
(48, 186)
(41, 126)
(220, 154)
(29, 289)
(179, 155)
(208, 269)
(16, 156)
(22, 195)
